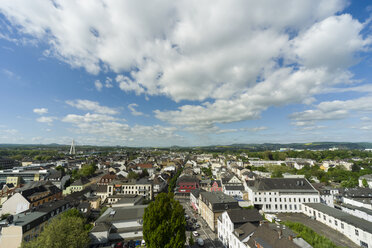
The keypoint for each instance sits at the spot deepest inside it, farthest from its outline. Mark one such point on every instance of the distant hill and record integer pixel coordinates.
(253, 147)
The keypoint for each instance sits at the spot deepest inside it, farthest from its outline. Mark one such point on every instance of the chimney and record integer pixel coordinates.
(280, 232)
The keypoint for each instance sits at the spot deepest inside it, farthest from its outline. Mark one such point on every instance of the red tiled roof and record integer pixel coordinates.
(145, 166)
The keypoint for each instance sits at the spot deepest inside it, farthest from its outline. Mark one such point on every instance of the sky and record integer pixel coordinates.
(187, 73)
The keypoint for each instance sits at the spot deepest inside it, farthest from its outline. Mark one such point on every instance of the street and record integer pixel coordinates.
(209, 237)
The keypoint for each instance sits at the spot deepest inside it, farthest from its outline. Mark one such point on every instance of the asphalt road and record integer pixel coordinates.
(336, 237)
(209, 237)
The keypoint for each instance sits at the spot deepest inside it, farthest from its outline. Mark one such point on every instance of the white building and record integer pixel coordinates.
(356, 229)
(282, 194)
(235, 226)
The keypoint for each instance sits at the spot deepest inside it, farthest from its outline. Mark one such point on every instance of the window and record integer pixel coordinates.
(335, 222)
(342, 225)
(356, 232)
(299, 199)
(319, 215)
(309, 199)
(294, 199)
(324, 217)
(289, 199)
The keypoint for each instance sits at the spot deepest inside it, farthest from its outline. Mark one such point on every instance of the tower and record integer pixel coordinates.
(72, 148)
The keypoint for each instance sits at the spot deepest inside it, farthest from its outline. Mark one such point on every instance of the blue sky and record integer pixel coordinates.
(187, 73)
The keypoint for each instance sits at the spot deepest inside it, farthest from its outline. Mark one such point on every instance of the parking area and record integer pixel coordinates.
(337, 238)
(209, 237)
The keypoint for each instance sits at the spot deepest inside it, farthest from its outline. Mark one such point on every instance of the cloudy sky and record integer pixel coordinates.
(160, 73)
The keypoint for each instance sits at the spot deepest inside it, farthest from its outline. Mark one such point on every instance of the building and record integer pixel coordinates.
(194, 199)
(106, 179)
(28, 225)
(235, 225)
(31, 195)
(117, 224)
(7, 163)
(76, 186)
(16, 181)
(216, 186)
(282, 194)
(141, 186)
(187, 183)
(356, 229)
(213, 204)
(26, 175)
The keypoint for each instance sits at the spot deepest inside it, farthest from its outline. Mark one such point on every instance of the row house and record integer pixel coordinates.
(31, 195)
(213, 204)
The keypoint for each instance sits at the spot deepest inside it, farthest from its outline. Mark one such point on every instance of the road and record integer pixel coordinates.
(336, 237)
(209, 237)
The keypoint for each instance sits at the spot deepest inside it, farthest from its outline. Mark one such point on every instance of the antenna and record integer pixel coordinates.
(72, 148)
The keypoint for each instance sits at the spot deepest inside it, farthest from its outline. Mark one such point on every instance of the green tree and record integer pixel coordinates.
(132, 175)
(191, 240)
(365, 183)
(164, 223)
(64, 231)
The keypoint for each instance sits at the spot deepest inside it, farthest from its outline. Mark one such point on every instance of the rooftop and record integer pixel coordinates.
(345, 217)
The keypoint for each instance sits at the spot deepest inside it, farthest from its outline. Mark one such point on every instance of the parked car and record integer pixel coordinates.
(200, 242)
(195, 233)
(197, 225)
(187, 217)
(194, 220)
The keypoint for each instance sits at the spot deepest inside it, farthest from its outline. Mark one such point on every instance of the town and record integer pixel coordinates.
(230, 198)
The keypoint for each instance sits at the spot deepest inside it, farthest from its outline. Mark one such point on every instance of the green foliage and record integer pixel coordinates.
(4, 216)
(365, 183)
(85, 171)
(132, 175)
(314, 239)
(73, 212)
(64, 231)
(207, 172)
(191, 240)
(173, 181)
(144, 173)
(277, 174)
(164, 223)
(102, 210)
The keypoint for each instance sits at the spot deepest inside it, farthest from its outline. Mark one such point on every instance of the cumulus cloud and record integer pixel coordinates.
(46, 119)
(92, 106)
(333, 110)
(98, 85)
(233, 59)
(132, 107)
(40, 111)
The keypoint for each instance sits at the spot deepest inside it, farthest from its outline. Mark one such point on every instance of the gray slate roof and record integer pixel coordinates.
(284, 185)
(244, 215)
(345, 217)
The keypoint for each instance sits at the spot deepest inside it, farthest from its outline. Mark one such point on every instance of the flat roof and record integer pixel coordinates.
(343, 216)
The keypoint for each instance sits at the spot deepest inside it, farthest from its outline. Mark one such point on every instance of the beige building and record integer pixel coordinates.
(28, 225)
(16, 181)
(213, 204)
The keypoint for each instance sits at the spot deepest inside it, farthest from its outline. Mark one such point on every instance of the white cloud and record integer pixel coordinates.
(92, 106)
(110, 130)
(98, 85)
(134, 112)
(253, 129)
(40, 111)
(334, 110)
(235, 59)
(108, 82)
(46, 119)
(365, 118)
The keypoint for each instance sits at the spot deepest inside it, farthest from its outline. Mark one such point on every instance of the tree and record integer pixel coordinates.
(164, 223)
(132, 175)
(64, 231)
(365, 183)
(191, 240)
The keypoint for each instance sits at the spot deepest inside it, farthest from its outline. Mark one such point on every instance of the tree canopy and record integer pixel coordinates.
(64, 231)
(164, 223)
